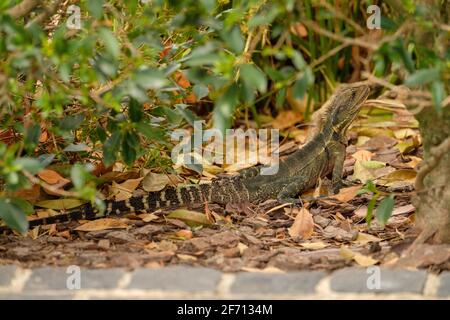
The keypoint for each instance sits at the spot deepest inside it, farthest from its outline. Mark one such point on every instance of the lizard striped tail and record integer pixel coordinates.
(169, 197)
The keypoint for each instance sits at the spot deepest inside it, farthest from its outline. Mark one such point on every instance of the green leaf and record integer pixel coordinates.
(71, 122)
(280, 98)
(13, 216)
(151, 78)
(438, 93)
(95, 8)
(112, 45)
(78, 176)
(370, 206)
(200, 90)
(110, 148)
(234, 39)
(135, 110)
(130, 144)
(32, 134)
(253, 77)
(29, 164)
(79, 147)
(422, 76)
(299, 87)
(187, 114)
(24, 205)
(263, 17)
(151, 132)
(384, 210)
(224, 108)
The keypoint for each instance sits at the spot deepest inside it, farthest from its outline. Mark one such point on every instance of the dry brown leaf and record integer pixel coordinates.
(59, 188)
(124, 190)
(299, 29)
(50, 176)
(60, 204)
(155, 182)
(403, 175)
(166, 245)
(30, 195)
(364, 261)
(102, 224)
(405, 133)
(303, 225)
(414, 161)
(191, 218)
(364, 238)
(363, 155)
(186, 234)
(347, 194)
(409, 208)
(314, 245)
(147, 217)
(186, 257)
(242, 247)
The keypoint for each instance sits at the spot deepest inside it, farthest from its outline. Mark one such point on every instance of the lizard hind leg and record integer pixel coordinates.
(287, 194)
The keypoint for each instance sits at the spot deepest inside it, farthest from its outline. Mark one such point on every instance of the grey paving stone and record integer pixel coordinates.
(360, 280)
(7, 274)
(444, 286)
(176, 278)
(57, 278)
(47, 278)
(277, 284)
(25, 296)
(100, 278)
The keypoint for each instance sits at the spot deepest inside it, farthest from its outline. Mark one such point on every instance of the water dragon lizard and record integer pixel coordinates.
(322, 154)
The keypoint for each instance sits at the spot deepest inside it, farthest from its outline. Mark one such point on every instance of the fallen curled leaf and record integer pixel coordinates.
(299, 30)
(242, 247)
(403, 175)
(409, 208)
(303, 225)
(124, 190)
(191, 218)
(405, 133)
(60, 204)
(155, 182)
(347, 194)
(50, 176)
(147, 217)
(414, 161)
(339, 234)
(102, 224)
(362, 260)
(314, 245)
(186, 257)
(363, 155)
(166, 245)
(185, 234)
(32, 194)
(364, 238)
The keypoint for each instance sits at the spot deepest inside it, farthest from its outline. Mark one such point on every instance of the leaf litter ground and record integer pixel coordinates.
(325, 234)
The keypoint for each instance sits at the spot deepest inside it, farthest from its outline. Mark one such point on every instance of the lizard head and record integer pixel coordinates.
(347, 102)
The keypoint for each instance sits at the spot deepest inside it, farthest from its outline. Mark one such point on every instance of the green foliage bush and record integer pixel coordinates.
(110, 89)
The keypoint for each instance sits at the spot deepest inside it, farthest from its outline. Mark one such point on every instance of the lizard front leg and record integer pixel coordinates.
(287, 194)
(338, 167)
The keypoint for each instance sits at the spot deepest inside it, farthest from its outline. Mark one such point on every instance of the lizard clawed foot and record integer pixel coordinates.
(342, 184)
(289, 200)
